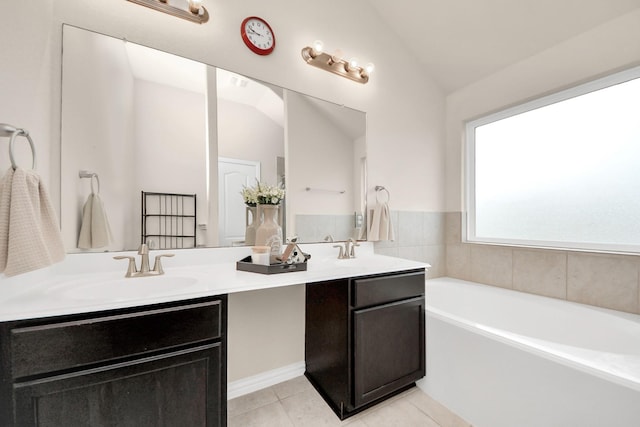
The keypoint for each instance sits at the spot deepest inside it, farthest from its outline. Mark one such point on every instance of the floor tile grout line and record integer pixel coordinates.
(292, 421)
(257, 407)
(424, 412)
(357, 418)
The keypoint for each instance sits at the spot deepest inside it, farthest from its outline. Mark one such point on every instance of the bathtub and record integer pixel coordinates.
(501, 358)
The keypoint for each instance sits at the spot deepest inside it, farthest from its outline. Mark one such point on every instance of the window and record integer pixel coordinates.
(560, 171)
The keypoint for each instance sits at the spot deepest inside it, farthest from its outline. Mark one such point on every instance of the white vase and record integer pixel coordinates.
(252, 222)
(269, 233)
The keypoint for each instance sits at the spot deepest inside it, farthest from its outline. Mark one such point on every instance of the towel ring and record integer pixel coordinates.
(13, 132)
(95, 175)
(91, 175)
(379, 189)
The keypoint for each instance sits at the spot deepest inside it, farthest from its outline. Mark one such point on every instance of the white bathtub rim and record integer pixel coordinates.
(580, 359)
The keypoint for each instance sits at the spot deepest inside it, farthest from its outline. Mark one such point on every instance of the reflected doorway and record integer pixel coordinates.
(233, 174)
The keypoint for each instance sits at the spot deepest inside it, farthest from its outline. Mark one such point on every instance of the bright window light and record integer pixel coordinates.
(561, 171)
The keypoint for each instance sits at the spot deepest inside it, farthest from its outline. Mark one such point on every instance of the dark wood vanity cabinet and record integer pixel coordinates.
(365, 338)
(159, 365)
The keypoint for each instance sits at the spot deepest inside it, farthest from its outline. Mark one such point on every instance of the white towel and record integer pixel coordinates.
(95, 231)
(29, 232)
(381, 227)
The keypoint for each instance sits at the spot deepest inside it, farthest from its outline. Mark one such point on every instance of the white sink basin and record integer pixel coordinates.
(126, 288)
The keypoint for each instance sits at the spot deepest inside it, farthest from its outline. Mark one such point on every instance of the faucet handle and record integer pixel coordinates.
(352, 252)
(157, 265)
(347, 248)
(341, 253)
(131, 269)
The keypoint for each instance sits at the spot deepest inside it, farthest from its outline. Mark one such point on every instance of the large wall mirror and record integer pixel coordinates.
(138, 123)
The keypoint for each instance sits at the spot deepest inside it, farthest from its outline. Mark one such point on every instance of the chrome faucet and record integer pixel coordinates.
(143, 251)
(352, 251)
(341, 252)
(348, 250)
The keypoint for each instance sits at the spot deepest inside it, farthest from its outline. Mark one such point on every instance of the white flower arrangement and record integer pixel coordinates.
(250, 195)
(262, 194)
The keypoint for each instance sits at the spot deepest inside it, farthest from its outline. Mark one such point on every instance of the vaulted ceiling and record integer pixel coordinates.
(462, 41)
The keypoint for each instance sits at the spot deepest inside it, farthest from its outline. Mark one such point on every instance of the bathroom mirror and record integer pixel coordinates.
(143, 120)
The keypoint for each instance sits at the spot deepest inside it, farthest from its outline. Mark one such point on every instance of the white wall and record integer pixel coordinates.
(319, 156)
(25, 81)
(245, 133)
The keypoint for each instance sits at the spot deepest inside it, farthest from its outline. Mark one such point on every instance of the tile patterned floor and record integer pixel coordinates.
(296, 403)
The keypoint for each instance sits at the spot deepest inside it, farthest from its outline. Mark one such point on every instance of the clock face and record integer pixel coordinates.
(258, 35)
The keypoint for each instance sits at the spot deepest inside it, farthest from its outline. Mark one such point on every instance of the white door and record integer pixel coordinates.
(232, 175)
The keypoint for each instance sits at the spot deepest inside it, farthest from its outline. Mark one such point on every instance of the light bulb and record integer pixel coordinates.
(194, 6)
(353, 64)
(316, 47)
(368, 69)
(337, 55)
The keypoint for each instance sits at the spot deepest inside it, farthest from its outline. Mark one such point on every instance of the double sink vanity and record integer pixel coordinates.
(82, 345)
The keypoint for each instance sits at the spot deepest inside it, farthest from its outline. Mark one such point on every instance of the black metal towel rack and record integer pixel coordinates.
(169, 220)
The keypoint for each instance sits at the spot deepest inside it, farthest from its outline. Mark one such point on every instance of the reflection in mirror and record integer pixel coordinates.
(250, 130)
(327, 178)
(147, 121)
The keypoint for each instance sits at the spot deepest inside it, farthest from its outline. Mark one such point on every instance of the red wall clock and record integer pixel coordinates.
(258, 35)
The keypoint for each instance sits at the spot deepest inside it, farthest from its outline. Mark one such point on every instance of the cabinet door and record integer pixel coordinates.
(389, 350)
(181, 388)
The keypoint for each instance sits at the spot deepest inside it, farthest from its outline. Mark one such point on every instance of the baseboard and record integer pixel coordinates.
(264, 380)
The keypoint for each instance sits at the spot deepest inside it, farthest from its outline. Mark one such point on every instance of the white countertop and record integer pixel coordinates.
(94, 281)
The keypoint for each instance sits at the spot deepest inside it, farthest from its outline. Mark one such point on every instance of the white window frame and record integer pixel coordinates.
(469, 129)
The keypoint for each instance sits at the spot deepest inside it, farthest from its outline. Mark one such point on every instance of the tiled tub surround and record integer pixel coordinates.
(603, 280)
(419, 236)
(314, 228)
(501, 358)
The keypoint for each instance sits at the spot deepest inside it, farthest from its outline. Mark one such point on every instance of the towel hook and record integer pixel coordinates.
(13, 132)
(379, 189)
(91, 175)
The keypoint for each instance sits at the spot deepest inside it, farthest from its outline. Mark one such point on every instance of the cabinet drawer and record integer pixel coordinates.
(67, 345)
(379, 290)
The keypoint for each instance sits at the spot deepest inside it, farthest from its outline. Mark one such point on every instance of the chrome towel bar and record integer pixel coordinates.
(325, 190)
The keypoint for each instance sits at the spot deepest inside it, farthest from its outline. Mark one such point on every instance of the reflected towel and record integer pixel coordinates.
(29, 232)
(381, 226)
(95, 231)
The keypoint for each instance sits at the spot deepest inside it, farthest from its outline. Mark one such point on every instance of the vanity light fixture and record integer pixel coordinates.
(334, 63)
(195, 11)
